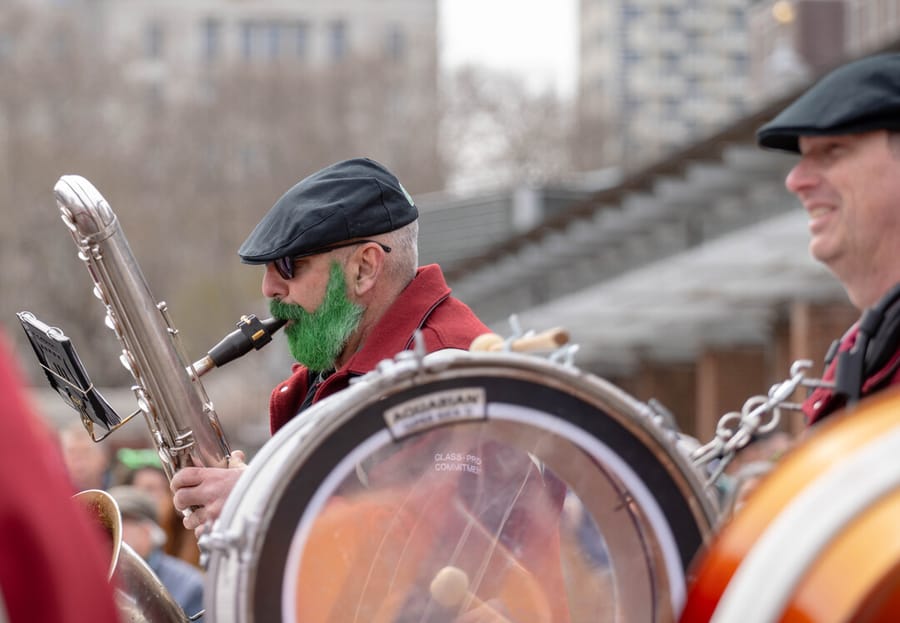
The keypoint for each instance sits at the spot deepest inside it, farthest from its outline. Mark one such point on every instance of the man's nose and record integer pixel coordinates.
(801, 177)
(273, 284)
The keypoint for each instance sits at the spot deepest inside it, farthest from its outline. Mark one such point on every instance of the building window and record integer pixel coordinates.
(260, 40)
(337, 40)
(300, 37)
(692, 84)
(631, 12)
(395, 43)
(6, 46)
(737, 103)
(692, 42)
(153, 40)
(272, 33)
(212, 39)
(247, 40)
(740, 64)
(633, 103)
(670, 19)
(670, 64)
(631, 56)
(671, 107)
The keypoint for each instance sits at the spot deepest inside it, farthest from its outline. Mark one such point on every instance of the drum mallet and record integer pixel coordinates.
(450, 588)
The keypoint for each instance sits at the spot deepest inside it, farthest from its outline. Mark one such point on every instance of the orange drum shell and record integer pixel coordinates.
(841, 436)
(858, 570)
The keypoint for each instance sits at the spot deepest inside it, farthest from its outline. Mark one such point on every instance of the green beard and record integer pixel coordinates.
(316, 339)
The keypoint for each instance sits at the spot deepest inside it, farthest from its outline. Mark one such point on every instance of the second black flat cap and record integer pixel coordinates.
(861, 96)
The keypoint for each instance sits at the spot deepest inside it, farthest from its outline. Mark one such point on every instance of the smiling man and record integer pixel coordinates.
(846, 129)
(340, 253)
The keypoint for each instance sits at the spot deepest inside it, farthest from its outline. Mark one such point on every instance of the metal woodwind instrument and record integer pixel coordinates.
(183, 423)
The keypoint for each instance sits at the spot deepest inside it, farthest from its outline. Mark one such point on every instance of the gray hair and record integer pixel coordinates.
(893, 138)
(404, 256)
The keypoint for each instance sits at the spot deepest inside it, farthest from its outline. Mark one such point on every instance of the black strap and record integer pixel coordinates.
(876, 342)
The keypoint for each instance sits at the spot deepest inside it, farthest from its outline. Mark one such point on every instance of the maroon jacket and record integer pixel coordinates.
(823, 401)
(424, 304)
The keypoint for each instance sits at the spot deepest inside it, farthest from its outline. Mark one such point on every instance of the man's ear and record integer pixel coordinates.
(368, 264)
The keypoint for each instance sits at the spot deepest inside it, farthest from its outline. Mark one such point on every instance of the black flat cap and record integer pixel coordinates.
(349, 199)
(861, 96)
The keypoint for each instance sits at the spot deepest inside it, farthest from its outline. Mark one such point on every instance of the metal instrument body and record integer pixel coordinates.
(183, 423)
(140, 596)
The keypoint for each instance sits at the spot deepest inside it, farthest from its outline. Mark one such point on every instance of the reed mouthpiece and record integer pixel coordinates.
(251, 334)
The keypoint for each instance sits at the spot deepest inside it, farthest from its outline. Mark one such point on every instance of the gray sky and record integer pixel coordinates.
(536, 38)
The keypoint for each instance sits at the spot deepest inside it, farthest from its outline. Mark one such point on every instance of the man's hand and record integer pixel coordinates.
(205, 489)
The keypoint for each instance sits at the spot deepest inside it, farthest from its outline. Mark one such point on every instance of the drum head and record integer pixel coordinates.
(817, 539)
(494, 481)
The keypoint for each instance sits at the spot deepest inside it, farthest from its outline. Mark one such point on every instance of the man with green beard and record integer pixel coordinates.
(341, 260)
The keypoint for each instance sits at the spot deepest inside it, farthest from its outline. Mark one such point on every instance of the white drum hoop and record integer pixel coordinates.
(593, 425)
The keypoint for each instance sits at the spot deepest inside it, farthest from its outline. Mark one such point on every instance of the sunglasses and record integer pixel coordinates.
(285, 265)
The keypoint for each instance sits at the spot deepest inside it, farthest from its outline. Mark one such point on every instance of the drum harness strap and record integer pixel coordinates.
(758, 415)
(878, 333)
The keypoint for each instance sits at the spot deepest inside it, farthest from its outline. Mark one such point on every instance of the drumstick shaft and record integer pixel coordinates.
(545, 340)
(549, 339)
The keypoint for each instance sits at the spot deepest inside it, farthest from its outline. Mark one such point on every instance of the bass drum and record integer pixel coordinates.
(462, 481)
(817, 539)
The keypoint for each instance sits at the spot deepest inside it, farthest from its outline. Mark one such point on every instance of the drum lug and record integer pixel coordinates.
(225, 542)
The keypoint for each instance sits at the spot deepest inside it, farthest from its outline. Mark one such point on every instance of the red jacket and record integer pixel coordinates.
(824, 401)
(424, 304)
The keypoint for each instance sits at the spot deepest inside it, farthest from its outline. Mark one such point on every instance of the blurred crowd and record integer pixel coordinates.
(151, 525)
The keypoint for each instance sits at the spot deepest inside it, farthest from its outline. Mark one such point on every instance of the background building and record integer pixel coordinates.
(656, 74)
(173, 45)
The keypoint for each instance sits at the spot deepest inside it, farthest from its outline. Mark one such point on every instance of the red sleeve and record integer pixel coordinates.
(452, 325)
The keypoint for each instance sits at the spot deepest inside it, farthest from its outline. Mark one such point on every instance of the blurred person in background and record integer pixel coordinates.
(744, 473)
(87, 462)
(846, 129)
(54, 561)
(142, 532)
(144, 471)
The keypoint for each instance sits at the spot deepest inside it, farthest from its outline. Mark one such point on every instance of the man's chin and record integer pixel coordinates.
(823, 251)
